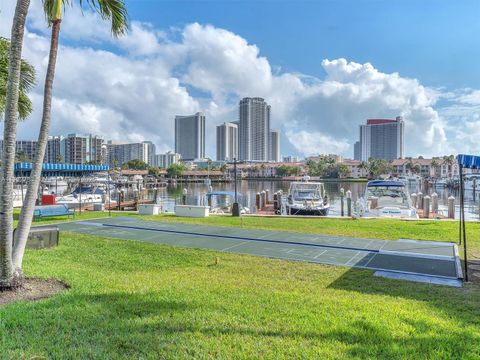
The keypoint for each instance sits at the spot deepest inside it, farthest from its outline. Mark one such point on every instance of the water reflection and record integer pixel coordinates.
(248, 189)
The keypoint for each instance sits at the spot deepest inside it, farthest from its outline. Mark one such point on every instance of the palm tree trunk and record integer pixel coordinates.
(8, 277)
(26, 216)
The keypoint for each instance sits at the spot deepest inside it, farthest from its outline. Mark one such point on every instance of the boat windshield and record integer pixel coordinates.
(389, 195)
(306, 191)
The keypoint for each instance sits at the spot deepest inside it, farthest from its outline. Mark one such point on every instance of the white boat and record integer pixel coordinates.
(82, 195)
(471, 182)
(387, 199)
(58, 181)
(221, 202)
(307, 198)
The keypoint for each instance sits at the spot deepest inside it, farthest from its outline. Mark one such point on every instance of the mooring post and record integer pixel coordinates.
(414, 198)
(184, 197)
(451, 207)
(257, 201)
(435, 203)
(426, 207)
(349, 203)
(420, 200)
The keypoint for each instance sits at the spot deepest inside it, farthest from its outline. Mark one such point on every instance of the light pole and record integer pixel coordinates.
(235, 208)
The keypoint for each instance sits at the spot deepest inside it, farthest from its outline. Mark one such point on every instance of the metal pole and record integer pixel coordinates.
(462, 223)
(109, 195)
(21, 183)
(235, 176)
(80, 196)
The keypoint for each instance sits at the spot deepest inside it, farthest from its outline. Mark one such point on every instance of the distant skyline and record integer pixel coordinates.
(324, 66)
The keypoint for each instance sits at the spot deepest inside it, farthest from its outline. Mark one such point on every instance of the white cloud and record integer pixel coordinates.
(314, 143)
(131, 88)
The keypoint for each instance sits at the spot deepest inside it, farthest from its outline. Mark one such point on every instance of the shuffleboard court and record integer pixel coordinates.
(427, 261)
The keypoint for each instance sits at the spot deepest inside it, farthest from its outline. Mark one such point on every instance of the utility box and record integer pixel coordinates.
(49, 199)
(42, 237)
(98, 207)
(149, 209)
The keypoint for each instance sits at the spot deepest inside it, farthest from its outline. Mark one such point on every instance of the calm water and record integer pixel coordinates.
(171, 195)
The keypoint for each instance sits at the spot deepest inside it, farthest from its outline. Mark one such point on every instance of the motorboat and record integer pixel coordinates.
(221, 202)
(471, 182)
(82, 195)
(307, 198)
(387, 199)
(57, 181)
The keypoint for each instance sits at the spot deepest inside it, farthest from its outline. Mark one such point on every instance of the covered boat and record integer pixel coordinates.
(307, 198)
(221, 202)
(387, 198)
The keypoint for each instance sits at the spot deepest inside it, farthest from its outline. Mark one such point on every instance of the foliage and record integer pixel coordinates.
(92, 162)
(135, 164)
(377, 167)
(327, 167)
(27, 81)
(21, 156)
(287, 170)
(176, 170)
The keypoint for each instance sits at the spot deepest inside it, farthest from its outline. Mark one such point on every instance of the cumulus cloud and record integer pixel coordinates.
(131, 88)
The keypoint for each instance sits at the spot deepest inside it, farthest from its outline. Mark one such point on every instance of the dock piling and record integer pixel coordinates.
(349, 203)
(451, 207)
(435, 203)
(426, 207)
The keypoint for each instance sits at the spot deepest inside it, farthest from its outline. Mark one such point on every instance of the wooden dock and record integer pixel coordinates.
(130, 204)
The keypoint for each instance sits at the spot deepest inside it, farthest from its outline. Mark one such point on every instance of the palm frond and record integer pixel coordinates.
(27, 81)
(113, 10)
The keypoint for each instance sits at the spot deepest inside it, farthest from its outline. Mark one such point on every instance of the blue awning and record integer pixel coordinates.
(469, 161)
(375, 183)
(63, 167)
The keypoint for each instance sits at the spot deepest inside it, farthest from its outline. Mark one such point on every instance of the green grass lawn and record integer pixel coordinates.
(139, 300)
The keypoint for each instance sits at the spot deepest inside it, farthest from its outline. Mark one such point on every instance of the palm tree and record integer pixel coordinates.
(112, 10)
(8, 277)
(435, 165)
(27, 81)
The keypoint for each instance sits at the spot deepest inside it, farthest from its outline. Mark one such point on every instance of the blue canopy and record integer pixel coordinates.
(469, 161)
(375, 183)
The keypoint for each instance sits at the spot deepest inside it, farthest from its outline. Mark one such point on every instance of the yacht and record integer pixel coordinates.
(307, 198)
(387, 198)
(472, 182)
(82, 195)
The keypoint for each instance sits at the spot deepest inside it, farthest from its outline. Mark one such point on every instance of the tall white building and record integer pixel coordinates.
(382, 139)
(167, 159)
(119, 154)
(190, 136)
(227, 142)
(254, 129)
(79, 148)
(52, 154)
(274, 146)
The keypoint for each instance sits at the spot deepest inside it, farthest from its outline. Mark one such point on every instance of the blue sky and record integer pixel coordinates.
(324, 66)
(436, 42)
